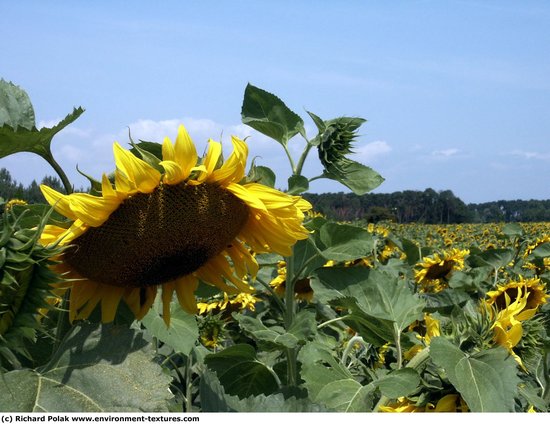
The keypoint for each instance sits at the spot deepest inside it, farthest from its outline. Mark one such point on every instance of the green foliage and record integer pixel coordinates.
(487, 380)
(267, 114)
(112, 370)
(240, 372)
(15, 106)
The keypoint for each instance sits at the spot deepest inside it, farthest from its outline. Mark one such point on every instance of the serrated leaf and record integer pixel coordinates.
(496, 258)
(377, 294)
(356, 176)
(32, 140)
(96, 368)
(346, 395)
(341, 242)
(267, 114)
(15, 106)
(487, 381)
(398, 383)
(182, 333)
(240, 372)
(297, 184)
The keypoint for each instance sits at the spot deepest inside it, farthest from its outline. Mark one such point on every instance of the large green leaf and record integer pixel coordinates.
(378, 294)
(96, 368)
(487, 381)
(182, 333)
(356, 176)
(15, 106)
(341, 242)
(267, 114)
(32, 140)
(240, 372)
(214, 399)
(398, 383)
(346, 395)
(297, 184)
(497, 258)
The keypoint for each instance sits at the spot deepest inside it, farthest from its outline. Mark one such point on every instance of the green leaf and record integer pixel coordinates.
(512, 230)
(96, 368)
(542, 251)
(321, 126)
(398, 383)
(487, 381)
(182, 333)
(301, 330)
(497, 258)
(345, 242)
(297, 184)
(240, 373)
(306, 258)
(378, 294)
(32, 140)
(214, 399)
(15, 107)
(150, 152)
(263, 175)
(347, 395)
(445, 300)
(267, 114)
(356, 176)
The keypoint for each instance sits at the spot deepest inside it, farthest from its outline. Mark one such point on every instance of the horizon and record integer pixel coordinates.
(448, 107)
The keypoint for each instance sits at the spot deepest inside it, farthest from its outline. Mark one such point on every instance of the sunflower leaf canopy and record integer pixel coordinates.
(268, 114)
(15, 107)
(111, 371)
(487, 380)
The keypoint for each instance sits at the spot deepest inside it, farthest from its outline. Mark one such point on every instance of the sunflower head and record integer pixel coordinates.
(302, 287)
(436, 270)
(336, 139)
(167, 226)
(531, 289)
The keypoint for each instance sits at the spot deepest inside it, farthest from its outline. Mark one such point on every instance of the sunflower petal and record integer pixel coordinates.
(185, 152)
(58, 201)
(145, 177)
(185, 290)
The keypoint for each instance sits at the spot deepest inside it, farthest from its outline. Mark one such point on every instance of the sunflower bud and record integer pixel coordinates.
(24, 285)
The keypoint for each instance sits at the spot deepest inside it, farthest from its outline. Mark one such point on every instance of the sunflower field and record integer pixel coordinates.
(187, 282)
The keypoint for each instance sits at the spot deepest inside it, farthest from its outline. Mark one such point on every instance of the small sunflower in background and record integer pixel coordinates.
(302, 287)
(168, 225)
(14, 202)
(436, 270)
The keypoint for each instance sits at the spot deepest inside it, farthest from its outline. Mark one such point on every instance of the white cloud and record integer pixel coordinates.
(69, 130)
(445, 153)
(371, 150)
(529, 155)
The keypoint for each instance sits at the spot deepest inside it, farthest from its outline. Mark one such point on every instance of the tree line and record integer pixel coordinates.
(428, 206)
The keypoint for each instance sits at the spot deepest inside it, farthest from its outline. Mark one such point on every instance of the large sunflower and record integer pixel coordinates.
(437, 269)
(170, 225)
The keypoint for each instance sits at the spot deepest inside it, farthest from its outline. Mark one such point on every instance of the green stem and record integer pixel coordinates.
(496, 277)
(330, 321)
(64, 179)
(272, 292)
(189, 384)
(349, 347)
(290, 307)
(292, 165)
(397, 338)
(302, 159)
(316, 177)
(63, 325)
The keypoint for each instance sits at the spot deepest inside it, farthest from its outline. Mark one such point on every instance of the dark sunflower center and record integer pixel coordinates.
(158, 237)
(440, 271)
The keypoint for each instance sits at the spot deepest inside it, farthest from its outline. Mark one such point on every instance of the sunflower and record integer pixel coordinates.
(450, 403)
(302, 287)
(237, 302)
(532, 290)
(435, 270)
(168, 225)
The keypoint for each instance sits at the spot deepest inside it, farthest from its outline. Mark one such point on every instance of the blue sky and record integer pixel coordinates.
(456, 93)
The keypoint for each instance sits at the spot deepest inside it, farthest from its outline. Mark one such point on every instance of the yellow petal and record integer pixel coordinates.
(185, 152)
(233, 169)
(173, 173)
(92, 210)
(248, 197)
(107, 190)
(185, 290)
(145, 177)
(58, 201)
(211, 158)
(109, 303)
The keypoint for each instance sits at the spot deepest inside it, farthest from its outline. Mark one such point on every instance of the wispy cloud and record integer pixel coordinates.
(530, 155)
(371, 150)
(445, 153)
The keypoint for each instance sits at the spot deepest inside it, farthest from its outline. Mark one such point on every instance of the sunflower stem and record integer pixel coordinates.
(397, 337)
(64, 179)
(330, 321)
(63, 324)
(189, 384)
(349, 346)
(292, 165)
(290, 307)
(302, 159)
